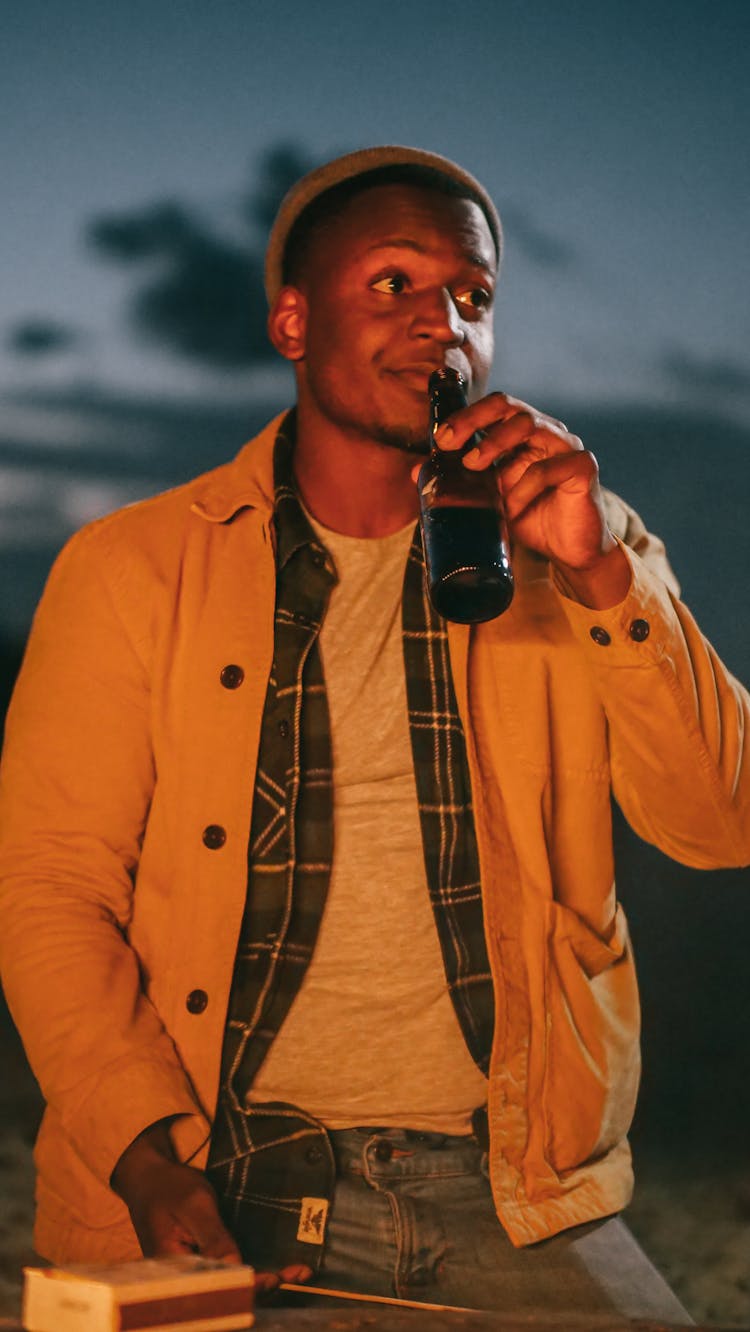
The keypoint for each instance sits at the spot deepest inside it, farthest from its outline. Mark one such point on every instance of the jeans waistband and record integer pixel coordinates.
(382, 1152)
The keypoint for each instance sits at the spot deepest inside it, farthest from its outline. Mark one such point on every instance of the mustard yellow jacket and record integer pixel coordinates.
(122, 746)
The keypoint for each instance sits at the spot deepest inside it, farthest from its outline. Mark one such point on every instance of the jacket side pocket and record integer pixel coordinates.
(592, 1065)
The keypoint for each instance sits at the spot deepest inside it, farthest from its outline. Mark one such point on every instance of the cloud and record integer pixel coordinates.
(281, 166)
(40, 336)
(541, 248)
(706, 375)
(201, 294)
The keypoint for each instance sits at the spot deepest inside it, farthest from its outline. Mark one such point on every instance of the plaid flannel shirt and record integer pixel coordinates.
(272, 1164)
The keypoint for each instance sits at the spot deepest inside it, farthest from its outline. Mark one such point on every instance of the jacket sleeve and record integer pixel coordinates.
(75, 785)
(678, 721)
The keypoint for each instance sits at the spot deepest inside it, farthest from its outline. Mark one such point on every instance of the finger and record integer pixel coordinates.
(487, 412)
(298, 1272)
(214, 1241)
(265, 1282)
(208, 1232)
(461, 425)
(573, 473)
(168, 1239)
(523, 438)
(522, 406)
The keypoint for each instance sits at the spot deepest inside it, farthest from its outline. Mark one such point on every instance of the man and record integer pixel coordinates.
(308, 889)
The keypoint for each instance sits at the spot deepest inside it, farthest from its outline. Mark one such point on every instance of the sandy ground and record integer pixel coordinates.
(696, 1229)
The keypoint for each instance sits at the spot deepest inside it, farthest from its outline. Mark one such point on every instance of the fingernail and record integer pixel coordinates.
(443, 435)
(472, 457)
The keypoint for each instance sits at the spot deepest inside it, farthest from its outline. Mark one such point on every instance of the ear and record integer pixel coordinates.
(287, 322)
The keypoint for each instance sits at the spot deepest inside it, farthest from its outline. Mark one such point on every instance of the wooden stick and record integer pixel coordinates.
(374, 1299)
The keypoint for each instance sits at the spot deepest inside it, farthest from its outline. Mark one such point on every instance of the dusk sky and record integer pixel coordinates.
(133, 145)
(613, 136)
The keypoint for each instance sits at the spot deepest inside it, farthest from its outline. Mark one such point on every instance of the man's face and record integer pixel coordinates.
(400, 284)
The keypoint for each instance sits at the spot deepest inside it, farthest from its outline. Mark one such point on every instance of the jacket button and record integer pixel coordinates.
(639, 630)
(600, 635)
(214, 836)
(283, 729)
(232, 676)
(314, 1155)
(384, 1150)
(196, 1001)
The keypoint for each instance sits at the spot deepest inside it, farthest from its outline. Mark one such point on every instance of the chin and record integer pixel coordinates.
(405, 439)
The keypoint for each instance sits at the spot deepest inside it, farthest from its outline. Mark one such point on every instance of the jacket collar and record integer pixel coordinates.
(245, 482)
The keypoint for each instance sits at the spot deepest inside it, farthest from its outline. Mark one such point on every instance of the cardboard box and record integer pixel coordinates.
(181, 1294)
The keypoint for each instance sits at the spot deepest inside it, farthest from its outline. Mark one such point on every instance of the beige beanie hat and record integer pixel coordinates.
(323, 178)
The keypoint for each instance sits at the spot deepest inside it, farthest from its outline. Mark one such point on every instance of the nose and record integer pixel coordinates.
(438, 319)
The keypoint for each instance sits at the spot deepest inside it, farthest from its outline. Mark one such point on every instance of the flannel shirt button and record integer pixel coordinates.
(384, 1150)
(214, 836)
(639, 630)
(318, 558)
(232, 676)
(283, 729)
(600, 635)
(197, 1001)
(314, 1155)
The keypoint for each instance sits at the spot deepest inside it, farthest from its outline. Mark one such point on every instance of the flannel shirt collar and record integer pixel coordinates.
(294, 532)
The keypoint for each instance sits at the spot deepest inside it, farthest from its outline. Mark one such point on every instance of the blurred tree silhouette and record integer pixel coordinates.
(280, 168)
(202, 294)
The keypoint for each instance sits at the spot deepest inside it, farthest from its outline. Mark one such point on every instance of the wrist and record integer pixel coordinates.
(600, 585)
(152, 1148)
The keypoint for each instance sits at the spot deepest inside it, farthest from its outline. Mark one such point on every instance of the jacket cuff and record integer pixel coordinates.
(637, 632)
(125, 1102)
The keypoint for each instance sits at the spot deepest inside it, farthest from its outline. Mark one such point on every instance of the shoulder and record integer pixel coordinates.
(130, 565)
(155, 529)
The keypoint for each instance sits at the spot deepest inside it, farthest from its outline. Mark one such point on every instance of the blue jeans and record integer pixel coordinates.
(413, 1216)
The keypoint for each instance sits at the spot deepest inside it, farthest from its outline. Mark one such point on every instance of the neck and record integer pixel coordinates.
(356, 486)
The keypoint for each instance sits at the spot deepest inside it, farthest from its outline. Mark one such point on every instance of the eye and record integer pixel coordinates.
(392, 284)
(474, 298)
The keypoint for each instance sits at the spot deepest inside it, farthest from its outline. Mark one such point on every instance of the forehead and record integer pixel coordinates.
(414, 217)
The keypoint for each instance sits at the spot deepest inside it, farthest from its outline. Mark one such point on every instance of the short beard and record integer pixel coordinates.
(399, 439)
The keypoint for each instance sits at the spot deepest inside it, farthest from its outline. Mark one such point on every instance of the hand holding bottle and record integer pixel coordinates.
(550, 488)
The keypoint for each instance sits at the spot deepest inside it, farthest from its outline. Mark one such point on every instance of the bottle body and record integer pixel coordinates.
(464, 531)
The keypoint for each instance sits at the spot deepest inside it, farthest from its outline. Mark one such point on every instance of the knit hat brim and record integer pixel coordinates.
(323, 178)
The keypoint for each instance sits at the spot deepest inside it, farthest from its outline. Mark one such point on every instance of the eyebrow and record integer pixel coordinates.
(406, 243)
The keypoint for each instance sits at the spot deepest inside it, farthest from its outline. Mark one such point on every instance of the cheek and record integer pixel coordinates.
(482, 350)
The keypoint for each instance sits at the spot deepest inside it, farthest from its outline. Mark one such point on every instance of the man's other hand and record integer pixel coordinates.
(174, 1209)
(172, 1206)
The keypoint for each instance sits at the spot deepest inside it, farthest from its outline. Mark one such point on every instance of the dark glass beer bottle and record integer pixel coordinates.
(464, 531)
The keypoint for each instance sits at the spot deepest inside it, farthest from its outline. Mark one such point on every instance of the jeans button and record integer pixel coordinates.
(384, 1150)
